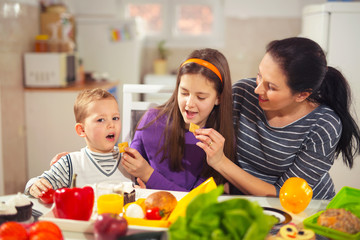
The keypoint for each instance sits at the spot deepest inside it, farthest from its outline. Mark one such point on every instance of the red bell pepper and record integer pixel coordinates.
(74, 203)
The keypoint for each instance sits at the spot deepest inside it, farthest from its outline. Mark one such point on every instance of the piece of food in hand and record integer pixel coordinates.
(110, 226)
(47, 196)
(164, 200)
(13, 230)
(122, 146)
(340, 219)
(134, 210)
(193, 127)
(45, 230)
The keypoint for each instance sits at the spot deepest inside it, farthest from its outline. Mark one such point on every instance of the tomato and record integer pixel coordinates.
(44, 236)
(10, 230)
(45, 228)
(154, 213)
(295, 195)
(8, 237)
(47, 196)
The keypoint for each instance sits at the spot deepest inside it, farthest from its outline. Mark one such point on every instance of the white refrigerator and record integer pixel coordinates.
(335, 26)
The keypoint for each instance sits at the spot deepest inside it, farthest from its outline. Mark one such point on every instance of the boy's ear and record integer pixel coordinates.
(79, 128)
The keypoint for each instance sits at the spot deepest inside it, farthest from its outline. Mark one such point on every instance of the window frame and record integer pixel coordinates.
(214, 39)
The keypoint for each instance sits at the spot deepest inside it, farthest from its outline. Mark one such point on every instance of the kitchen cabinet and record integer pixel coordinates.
(50, 123)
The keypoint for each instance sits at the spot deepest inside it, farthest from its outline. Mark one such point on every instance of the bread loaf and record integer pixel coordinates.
(340, 219)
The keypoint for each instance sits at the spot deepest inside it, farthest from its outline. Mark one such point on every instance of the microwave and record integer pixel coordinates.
(49, 69)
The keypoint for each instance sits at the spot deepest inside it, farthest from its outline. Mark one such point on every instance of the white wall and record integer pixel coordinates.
(265, 8)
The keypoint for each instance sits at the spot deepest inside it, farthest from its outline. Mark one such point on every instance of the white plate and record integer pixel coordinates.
(88, 226)
(283, 217)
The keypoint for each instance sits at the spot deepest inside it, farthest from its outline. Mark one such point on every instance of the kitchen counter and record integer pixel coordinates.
(314, 207)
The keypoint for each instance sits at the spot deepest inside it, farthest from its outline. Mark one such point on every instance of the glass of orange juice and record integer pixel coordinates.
(110, 197)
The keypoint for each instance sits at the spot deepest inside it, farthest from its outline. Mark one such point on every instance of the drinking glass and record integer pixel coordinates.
(110, 197)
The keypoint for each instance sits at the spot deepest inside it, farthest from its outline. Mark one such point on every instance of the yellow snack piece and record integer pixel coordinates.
(193, 127)
(122, 146)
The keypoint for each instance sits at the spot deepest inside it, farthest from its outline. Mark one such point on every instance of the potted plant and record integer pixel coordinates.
(160, 64)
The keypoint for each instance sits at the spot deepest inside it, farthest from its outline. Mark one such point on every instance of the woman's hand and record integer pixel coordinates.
(40, 185)
(136, 165)
(212, 143)
(57, 157)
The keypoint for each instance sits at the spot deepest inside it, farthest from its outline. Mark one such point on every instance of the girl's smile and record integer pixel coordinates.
(190, 115)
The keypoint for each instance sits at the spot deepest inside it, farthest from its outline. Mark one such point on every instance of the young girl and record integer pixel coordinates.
(293, 120)
(163, 153)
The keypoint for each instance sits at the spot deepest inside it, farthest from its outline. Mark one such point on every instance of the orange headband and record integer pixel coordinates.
(205, 64)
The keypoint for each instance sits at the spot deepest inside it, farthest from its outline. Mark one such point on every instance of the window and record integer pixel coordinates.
(190, 23)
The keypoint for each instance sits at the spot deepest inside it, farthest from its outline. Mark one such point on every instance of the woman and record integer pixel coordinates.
(163, 153)
(293, 120)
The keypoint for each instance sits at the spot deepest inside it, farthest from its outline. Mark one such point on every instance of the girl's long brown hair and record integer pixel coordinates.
(219, 119)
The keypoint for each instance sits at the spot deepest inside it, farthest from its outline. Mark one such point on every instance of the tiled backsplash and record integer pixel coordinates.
(18, 26)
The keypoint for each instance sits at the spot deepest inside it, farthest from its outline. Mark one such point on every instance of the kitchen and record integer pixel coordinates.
(245, 32)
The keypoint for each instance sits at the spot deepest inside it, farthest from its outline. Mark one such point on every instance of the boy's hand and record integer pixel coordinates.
(40, 185)
(136, 165)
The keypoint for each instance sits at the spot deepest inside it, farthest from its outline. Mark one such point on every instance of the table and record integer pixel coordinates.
(314, 207)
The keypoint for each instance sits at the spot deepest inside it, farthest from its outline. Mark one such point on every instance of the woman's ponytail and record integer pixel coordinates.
(335, 93)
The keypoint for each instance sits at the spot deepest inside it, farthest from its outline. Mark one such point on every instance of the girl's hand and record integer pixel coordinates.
(40, 185)
(212, 143)
(57, 157)
(136, 165)
(141, 184)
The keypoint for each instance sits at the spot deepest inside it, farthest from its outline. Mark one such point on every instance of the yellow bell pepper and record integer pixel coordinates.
(180, 209)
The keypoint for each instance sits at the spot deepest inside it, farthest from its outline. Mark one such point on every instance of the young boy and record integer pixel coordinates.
(98, 121)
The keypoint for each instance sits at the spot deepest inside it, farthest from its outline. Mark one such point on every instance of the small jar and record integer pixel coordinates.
(41, 43)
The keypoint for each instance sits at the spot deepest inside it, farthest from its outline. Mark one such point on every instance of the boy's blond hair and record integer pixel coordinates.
(85, 97)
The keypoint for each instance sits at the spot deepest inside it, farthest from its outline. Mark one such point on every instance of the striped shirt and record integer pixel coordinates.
(90, 167)
(304, 148)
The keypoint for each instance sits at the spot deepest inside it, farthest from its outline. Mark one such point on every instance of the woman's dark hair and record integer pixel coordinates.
(304, 64)
(219, 119)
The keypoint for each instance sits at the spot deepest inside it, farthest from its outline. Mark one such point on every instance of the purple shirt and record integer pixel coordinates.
(149, 140)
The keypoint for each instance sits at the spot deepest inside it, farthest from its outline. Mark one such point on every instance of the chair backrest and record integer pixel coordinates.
(133, 108)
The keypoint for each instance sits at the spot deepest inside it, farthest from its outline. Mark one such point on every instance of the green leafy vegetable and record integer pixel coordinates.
(237, 218)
